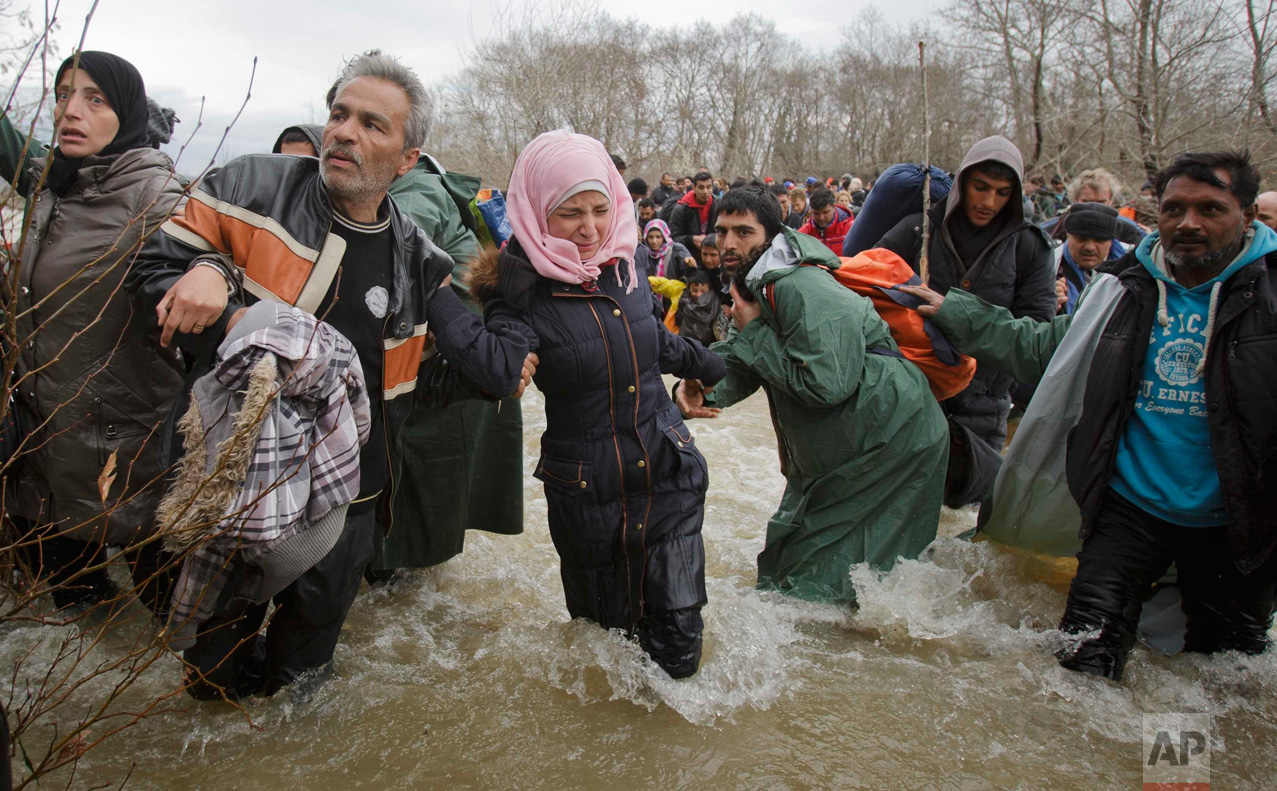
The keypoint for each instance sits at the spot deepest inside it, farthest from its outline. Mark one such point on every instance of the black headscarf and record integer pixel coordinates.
(124, 90)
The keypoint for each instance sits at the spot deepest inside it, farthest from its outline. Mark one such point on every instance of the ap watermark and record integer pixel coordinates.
(1176, 752)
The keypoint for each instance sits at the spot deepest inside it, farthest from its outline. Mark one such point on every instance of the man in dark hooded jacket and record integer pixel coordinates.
(305, 140)
(694, 215)
(982, 242)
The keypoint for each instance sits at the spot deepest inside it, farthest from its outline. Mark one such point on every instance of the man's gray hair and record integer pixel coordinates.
(380, 66)
(1096, 179)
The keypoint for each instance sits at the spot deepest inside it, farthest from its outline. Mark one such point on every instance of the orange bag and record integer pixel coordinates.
(873, 274)
(671, 318)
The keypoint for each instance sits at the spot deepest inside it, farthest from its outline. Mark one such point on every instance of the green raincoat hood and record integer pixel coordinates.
(788, 250)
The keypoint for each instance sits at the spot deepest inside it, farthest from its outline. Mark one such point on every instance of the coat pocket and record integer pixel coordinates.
(567, 476)
(691, 468)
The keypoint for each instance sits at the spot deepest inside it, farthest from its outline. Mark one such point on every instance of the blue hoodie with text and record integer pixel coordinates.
(1165, 464)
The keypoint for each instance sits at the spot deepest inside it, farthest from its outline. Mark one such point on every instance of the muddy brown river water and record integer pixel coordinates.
(469, 675)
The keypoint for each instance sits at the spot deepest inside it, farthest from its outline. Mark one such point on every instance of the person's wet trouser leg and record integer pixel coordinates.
(61, 562)
(1120, 561)
(224, 658)
(1126, 553)
(306, 625)
(154, 574)
(64, 565)
(673, 639)
(1226, 610)
(303, 630)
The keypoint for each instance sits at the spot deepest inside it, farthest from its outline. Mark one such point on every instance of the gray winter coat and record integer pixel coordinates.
(91, 380)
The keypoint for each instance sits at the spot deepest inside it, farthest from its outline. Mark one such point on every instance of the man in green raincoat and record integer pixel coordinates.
(463, 464)
(863, 443)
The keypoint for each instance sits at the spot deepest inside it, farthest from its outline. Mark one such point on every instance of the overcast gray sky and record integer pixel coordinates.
(193, 48)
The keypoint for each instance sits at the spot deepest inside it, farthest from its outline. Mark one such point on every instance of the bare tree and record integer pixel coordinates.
(1020, 41)
(1262, 39)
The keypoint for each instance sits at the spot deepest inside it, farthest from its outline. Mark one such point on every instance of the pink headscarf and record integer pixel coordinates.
(549, 168)
(667, 239)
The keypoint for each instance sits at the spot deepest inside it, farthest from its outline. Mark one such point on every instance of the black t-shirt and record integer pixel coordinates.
(357, 304)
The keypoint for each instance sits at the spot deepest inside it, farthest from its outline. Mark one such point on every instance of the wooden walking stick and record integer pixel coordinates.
(926, 167)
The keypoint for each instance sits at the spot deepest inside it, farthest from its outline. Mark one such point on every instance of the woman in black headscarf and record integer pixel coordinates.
(91, 382)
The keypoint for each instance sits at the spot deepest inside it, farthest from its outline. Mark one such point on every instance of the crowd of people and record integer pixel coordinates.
(306, 367)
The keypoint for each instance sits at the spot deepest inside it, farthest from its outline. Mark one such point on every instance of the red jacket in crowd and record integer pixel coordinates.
(832, 234)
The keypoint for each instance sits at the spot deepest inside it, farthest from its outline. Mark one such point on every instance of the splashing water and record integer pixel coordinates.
(470, 675)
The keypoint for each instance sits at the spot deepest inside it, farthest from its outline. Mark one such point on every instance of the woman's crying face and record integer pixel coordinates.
(584, 220)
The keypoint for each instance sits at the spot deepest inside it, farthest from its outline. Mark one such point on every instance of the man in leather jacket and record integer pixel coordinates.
(322, 235)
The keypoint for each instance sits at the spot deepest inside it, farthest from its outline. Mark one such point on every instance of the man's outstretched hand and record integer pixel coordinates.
(529, 370)
(931, 300)
(689, 395)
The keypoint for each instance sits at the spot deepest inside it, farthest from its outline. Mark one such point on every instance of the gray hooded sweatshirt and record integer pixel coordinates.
(313, 132)
(1014, 269)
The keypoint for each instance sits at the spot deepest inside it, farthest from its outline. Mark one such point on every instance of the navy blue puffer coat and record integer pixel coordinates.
(623, 479)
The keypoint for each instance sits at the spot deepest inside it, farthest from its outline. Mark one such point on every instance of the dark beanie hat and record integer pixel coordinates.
(1092, 220)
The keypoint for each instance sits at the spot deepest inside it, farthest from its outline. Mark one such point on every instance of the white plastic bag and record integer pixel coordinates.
(1031, 507)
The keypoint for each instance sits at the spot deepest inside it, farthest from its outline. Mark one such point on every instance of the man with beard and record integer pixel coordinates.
(982, 242)
(862, 442)
(470, 452)
(646, 212)
(1172, 458)
(467, 457)
(322, 235)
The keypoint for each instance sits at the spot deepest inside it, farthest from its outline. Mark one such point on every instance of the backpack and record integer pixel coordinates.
(461, 188)
(667, 211)
(896, 194)
(875, 274)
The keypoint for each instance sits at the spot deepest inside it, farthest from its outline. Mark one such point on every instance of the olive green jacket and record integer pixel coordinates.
(463, 464)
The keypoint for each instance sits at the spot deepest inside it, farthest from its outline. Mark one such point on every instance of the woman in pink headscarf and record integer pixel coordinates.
(624, 482)
(661, 255)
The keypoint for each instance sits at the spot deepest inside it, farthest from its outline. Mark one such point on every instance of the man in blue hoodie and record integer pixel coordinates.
(1174, 457)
